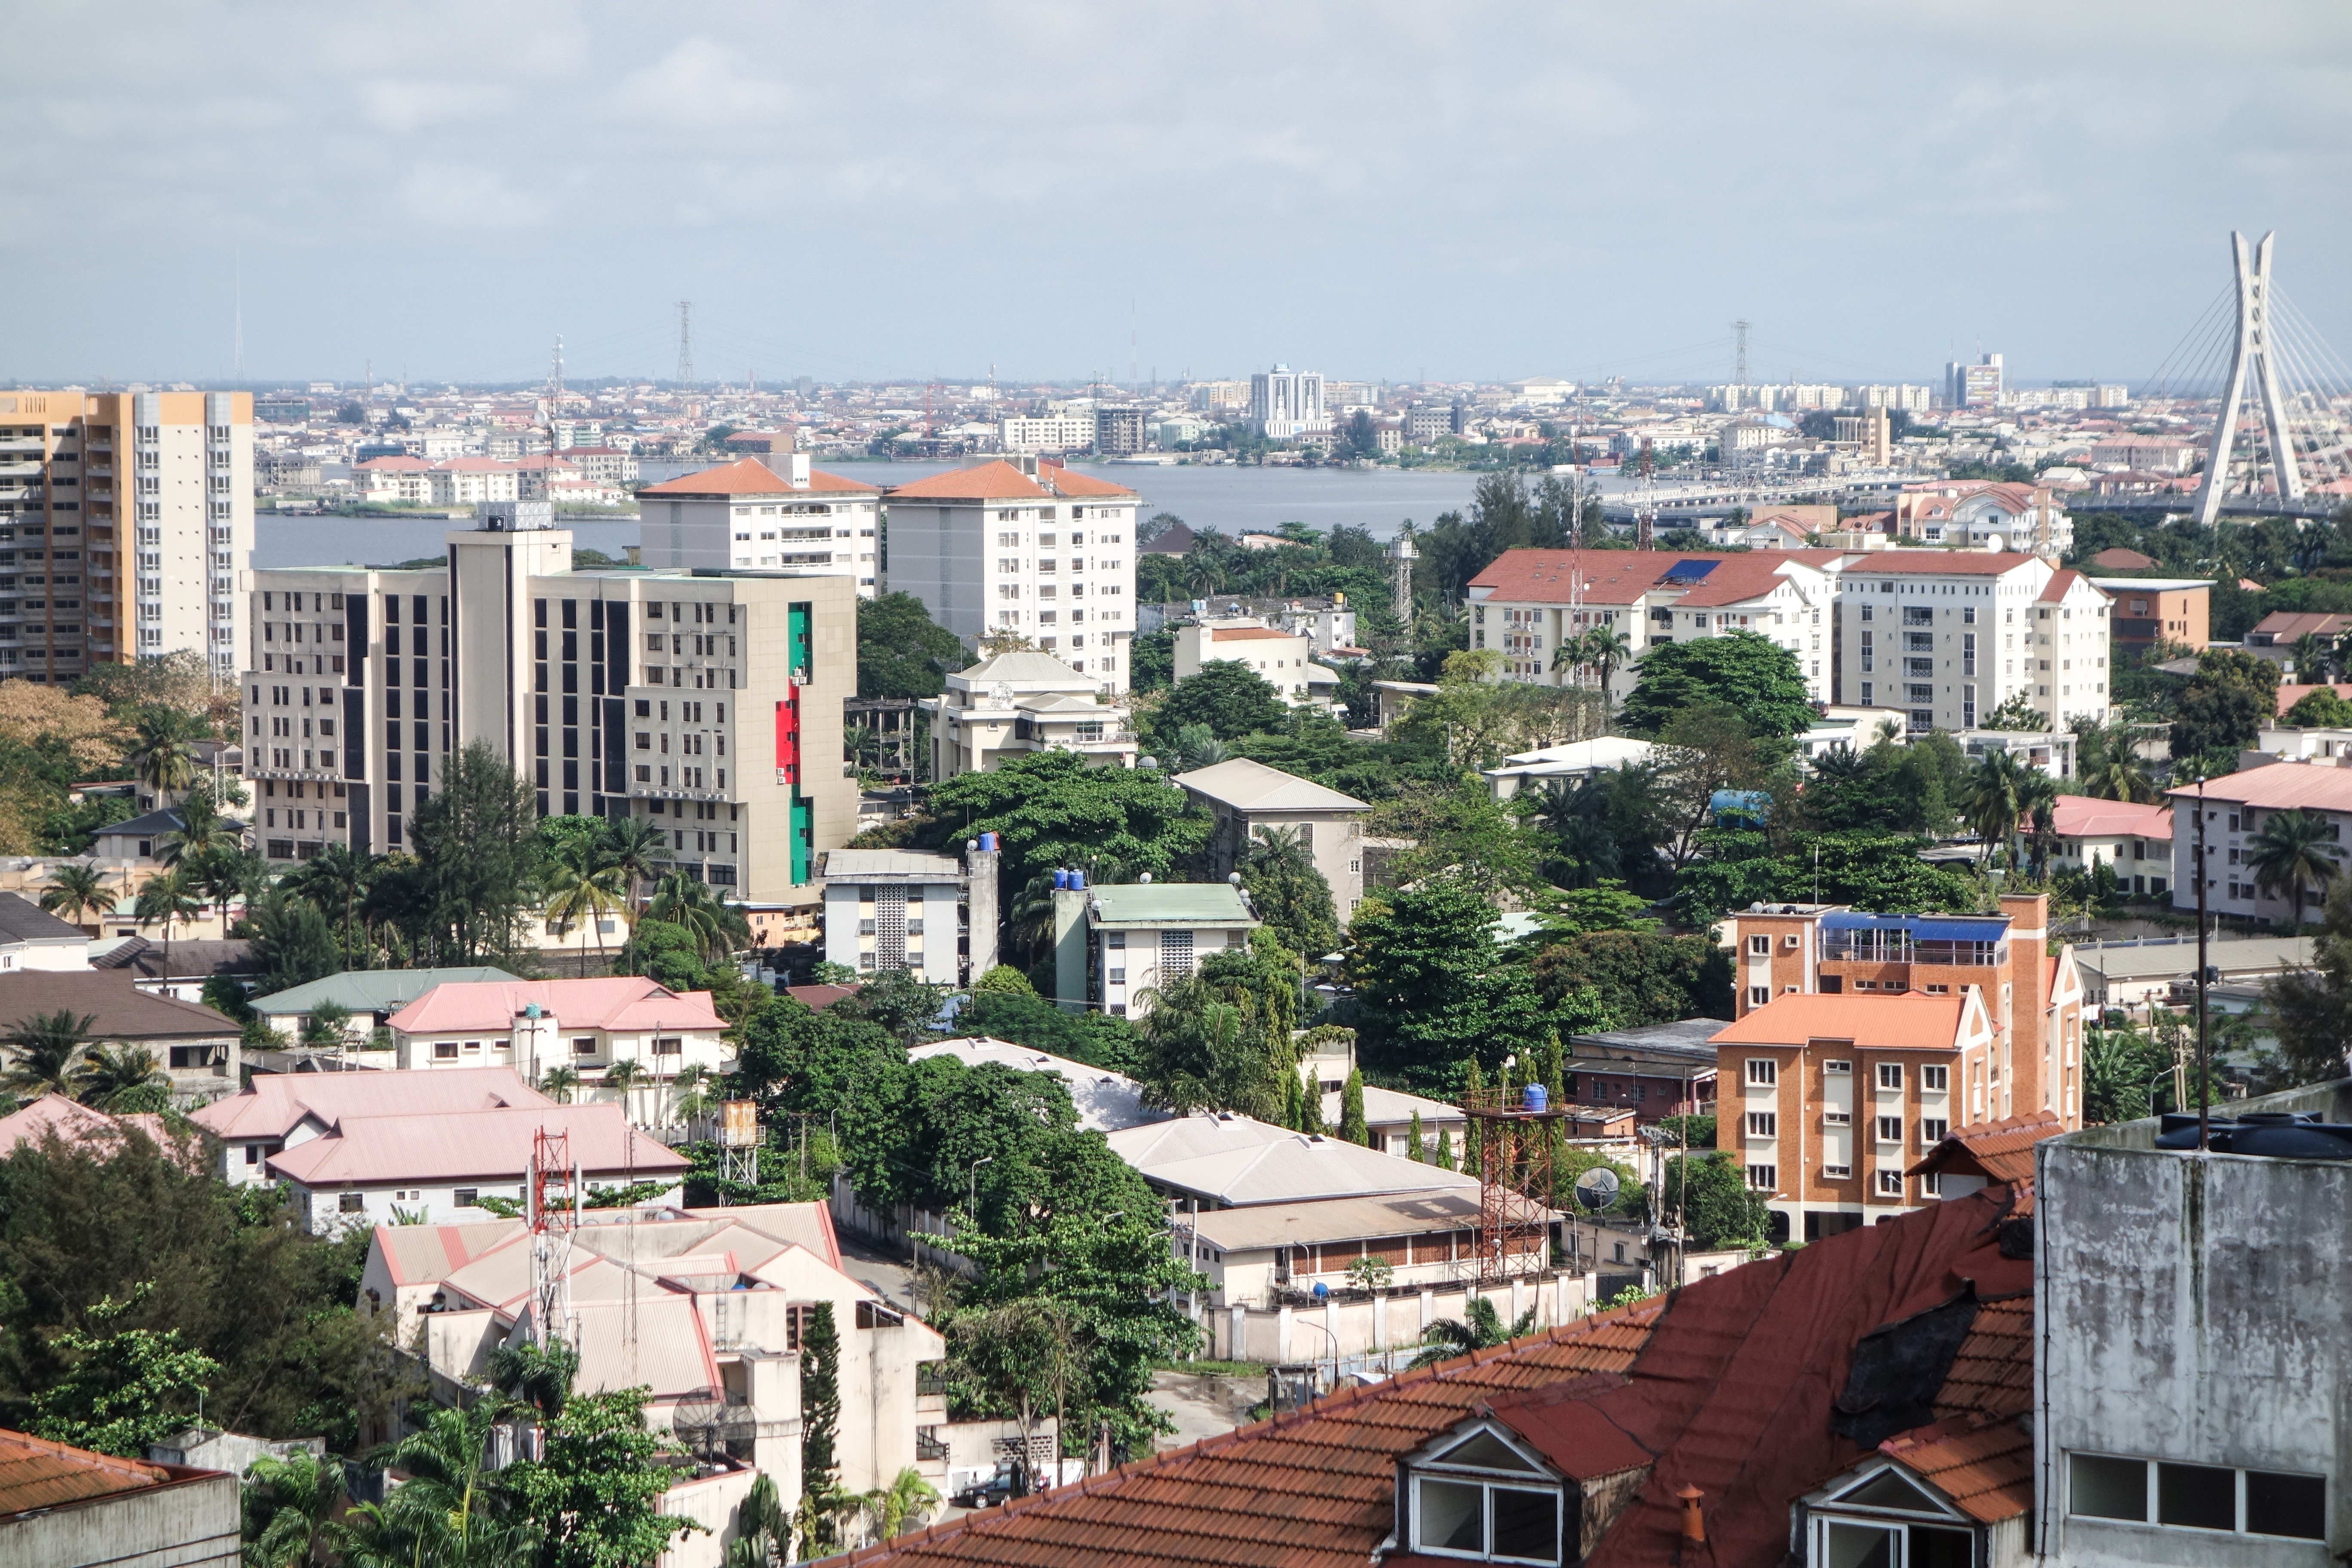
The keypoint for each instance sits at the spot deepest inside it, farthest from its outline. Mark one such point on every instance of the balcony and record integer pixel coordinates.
(1897, 946)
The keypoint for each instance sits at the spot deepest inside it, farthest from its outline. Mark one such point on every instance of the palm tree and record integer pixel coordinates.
(202, 830)
(586, 883)
(160, 756)
(2038, 813)
(45, 1047)
(122, 1079)
(449, 1511)
(2109, 763)
(559, 1082)
(167, 899)
(717, 926)
(2286, 853)
(300, 1492)
(901, 1506)
(625, 1076)
(336, 876)
(1993, 801)
(692, 1092)
(1480, 1328)
(640, 853)
(79, 892)
(1607, 649)
(227, 874)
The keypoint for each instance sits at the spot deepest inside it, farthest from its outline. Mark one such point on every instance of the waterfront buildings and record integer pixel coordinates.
(748, 516)
(126, 523)
(1285, 404)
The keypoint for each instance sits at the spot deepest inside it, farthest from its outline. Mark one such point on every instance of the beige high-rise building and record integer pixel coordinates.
(126, 528)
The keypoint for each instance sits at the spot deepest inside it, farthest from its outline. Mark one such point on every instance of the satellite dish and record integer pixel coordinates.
(1597, 1188)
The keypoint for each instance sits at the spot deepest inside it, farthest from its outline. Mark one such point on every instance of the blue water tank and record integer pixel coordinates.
(1077, 882)
(1539, 1098)
(1061, 881)
(987, 842)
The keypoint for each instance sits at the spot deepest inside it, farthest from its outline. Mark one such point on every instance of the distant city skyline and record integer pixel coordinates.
(1065, 192)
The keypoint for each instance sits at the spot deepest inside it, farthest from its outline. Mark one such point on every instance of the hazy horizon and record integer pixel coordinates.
(1374, 191)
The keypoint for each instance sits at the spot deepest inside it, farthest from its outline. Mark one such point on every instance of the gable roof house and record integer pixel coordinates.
(197, 1048)
(1714, 1428)
(277, 1112)
(589, 1025)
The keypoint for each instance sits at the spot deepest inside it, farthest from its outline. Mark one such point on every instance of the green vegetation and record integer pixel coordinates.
(1748, 674)
(901, 651)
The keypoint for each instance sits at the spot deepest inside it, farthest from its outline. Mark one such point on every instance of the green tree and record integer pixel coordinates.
(1750, 674)
(899, 1002)
(583, 884)
(2223, 708)
(1352, 1125)
(1443, 1159)
(44, 1050)
(639, 851)
(901, 651)
(2018, 712)
(1638, 977)
(2120, 1071)
(1480, 1328)
(167, 901)
(1708, 1195)
(820, 1400)
(79, 892)
(2320, 710)
(119, 1079)
(593, 1502)
(1998, 790)
(290, 1505)
(1434, 985)
(475, 839)
(1200, 1052)
(717, 924)
(2289, 854)
(1231, 699)
(163, 755)
(901, 1506)
(123, 1388)
(1151, 660)
(560, 1083)
(1051, 808)
(293, 942)
(1416, 1147)
(1026, 1018)
(1704, 751)
(1289, 893)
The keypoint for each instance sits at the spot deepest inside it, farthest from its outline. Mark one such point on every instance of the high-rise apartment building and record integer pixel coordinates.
(1948, 636)
(1121, 432)
(1977, 386)
(1023, 548)
(126, 523)
(705, 701)
(1287, 403)
(748, 516)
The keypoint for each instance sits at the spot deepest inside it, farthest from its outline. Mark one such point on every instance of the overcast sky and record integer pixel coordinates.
(1371, 190)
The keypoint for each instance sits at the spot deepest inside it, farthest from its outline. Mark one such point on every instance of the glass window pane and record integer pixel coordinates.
(1526, 1525)
(1487, 1452)
(2101, 1488)
(2198, 1496)
(2286, 1505)
(1934, 1548)
(1453, 1515)
(1860, 1546)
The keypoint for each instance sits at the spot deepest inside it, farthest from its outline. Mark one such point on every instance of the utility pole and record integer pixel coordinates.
(2204, 1044)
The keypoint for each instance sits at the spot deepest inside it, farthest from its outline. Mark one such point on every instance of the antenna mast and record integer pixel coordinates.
(1739, 375)
(684, 344)
(555, 1195)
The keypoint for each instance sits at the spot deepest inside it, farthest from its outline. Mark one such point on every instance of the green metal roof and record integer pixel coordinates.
(1171, 903)
(370, 990)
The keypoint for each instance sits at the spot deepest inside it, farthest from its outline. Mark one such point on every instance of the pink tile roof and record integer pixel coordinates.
(2280, 787)
(274, 1104)
(369, 1151)
(621, 1003)
(2289, 693)
(1913, 1019)
(2087, 817)
(75, 1123)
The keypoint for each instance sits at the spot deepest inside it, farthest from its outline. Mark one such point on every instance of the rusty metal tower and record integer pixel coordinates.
(1515, 1160)
(555, 1195)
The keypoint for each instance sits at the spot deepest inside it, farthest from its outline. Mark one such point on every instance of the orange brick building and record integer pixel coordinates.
(1861, 1039)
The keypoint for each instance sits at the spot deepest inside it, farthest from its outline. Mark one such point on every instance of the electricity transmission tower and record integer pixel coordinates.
(2254, 355)
(684, 344)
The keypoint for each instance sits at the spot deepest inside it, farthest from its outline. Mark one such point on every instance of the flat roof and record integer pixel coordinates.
(1336, 1219)
(1169, 903)
(882, 865)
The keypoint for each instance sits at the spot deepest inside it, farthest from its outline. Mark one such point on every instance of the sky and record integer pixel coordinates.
(1065, 191)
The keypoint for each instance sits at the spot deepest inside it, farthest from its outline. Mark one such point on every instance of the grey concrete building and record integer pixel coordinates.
(1247, 796)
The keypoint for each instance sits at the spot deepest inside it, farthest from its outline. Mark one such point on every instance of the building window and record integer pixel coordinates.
(583, 1046)
(667, 1045)
(1932, 1130)
(1764, 1072)
(1759, 994)
(1890, 1183)
(1761, 946)
(467, 1197)
(1890, 1129)
(1890, 1075)
(1763, 1124)
(1763, 1178)
(352, 1203)
(1935, 1079)
(2197, 1497)
(1846, 1067)
(1488, 1502)
(445, 1051)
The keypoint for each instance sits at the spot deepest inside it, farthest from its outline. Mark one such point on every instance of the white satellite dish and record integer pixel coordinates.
(1597, 1188)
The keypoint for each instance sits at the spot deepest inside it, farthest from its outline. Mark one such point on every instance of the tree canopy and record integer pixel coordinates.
(901, 651)
(1752, 675)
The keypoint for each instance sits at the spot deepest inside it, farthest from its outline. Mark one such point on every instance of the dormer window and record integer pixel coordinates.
(1881, 1517)
(1483, 1496)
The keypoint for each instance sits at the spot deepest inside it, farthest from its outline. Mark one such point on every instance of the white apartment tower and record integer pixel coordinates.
(706, 701)
(126, 525)
(1026, 549)
(1287, 403)
(749, 517)
(1948, 636)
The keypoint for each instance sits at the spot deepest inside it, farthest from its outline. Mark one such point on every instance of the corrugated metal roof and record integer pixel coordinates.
(1924, 928)
(274, 1104)
(1239, 1161)
(1173, 903)
(368, 1151)
(371, 989)
(850, 865)
(1106, 1101)
(1248, 785)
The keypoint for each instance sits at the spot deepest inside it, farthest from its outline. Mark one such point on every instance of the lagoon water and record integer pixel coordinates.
(1234, 499)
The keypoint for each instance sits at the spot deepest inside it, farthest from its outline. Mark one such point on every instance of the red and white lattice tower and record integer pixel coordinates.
(553, 1197)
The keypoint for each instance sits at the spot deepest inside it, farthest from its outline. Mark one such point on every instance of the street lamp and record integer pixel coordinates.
(972, 1189)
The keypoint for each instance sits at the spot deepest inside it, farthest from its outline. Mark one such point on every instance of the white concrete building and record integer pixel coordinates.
(2235, 808)
(1285, 404)
(1948, 636)
(1286, 660)
(895, 908)
(1013, 704)
(1048, 432)
(749, 517)
(708, 704)
(1247, 796)
(1033, 549)
(1115, 946)
(32, 938)
(126, 524)
(588, 1026)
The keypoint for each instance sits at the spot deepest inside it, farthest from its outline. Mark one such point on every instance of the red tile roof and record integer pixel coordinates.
(1002, 481)
(1998, 1151)
(2288, 626)
(36, 1473)
(2122, 560)
(749, 476)
(1913, 1019)
(1992, 1375)
(2060, 581)
(1987, 1471)
(2088, 816)
(2290, 694)
(1729, 1383)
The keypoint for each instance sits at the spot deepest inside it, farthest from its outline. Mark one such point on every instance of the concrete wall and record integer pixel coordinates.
(186, 1523)
(1390, 1320)
(2194, 1309)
